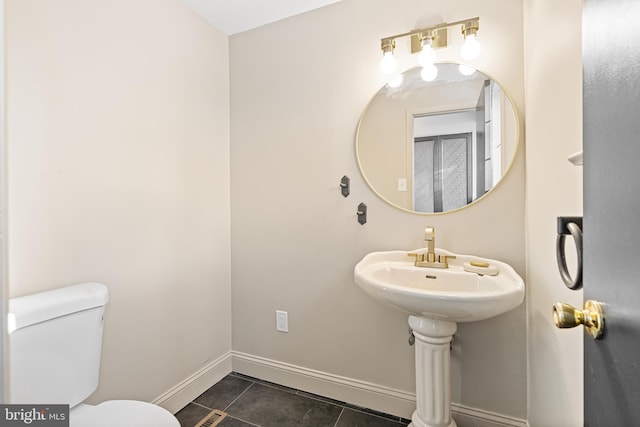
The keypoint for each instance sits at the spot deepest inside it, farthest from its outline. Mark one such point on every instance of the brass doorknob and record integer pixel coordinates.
(566, 316)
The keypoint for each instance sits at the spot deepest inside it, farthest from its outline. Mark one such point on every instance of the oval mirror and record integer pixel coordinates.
(437, 146)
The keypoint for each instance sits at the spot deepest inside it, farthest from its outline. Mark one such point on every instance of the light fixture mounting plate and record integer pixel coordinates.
(439, 41)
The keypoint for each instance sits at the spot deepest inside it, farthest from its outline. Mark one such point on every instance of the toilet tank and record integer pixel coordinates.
(55, 342)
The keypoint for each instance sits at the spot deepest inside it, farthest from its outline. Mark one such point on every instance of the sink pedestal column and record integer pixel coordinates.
(433, 378)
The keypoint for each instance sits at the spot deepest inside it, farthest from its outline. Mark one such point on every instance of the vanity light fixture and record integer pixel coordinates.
(427, 55)
(471, 47)
(425, 41)
(389, 63)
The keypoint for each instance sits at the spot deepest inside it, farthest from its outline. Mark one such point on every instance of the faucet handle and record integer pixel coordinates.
(419, 257)
(444, 258)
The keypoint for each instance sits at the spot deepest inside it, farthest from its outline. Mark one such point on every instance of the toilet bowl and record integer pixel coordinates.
(55, 344)
(121, 413)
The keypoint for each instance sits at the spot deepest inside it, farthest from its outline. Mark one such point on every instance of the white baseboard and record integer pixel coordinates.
(181, 394)
(357, 392)
(474, 417)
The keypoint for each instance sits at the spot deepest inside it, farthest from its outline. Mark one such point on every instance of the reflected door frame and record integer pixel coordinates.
(411, 115)
(439, 169)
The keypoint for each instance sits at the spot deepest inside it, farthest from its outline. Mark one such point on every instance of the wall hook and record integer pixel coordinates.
(362, 213)
(345, 186)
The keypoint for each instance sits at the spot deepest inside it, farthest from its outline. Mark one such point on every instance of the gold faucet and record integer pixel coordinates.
(430, 259)
(430, 238)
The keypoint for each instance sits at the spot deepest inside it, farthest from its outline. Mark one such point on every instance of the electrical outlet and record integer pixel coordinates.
(282, 321)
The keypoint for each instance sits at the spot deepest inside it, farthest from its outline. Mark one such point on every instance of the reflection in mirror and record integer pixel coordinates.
(437, 146)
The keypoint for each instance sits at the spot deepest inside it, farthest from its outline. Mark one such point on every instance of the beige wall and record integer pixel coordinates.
(298, 88)
(553, 93)
(118, 172)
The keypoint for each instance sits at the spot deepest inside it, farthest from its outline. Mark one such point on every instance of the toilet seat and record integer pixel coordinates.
(130, 413)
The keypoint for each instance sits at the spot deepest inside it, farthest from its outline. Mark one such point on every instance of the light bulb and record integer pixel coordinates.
(471, 48)
(427, 55)
(465, 70)
(388, 63)
(396, 81)
(429, 73)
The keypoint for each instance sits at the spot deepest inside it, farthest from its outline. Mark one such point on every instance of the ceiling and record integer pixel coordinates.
(235, 16)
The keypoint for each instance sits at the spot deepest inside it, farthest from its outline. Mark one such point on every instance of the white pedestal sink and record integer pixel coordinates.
(436, 300)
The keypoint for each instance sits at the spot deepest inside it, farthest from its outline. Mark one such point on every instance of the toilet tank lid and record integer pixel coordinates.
(43, 306)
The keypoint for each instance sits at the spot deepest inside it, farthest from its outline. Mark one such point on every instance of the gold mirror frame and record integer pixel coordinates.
(446, 109)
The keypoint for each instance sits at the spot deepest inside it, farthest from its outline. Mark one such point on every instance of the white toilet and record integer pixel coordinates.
(55, 340)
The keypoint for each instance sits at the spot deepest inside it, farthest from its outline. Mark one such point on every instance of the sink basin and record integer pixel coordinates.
(451, 294)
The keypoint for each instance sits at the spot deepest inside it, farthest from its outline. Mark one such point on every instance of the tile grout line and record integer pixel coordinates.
(398, 420)
(244, 421)
(328, 401)
(392, 418)
(230, 416)
(201, 405)
(270, 384)
(234, 401)
(238, 396)
(339, 416)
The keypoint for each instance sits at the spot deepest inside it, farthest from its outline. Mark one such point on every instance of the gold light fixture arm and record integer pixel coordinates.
(439, 38)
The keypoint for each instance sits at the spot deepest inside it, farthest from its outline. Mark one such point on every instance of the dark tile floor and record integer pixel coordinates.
(250, 402)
